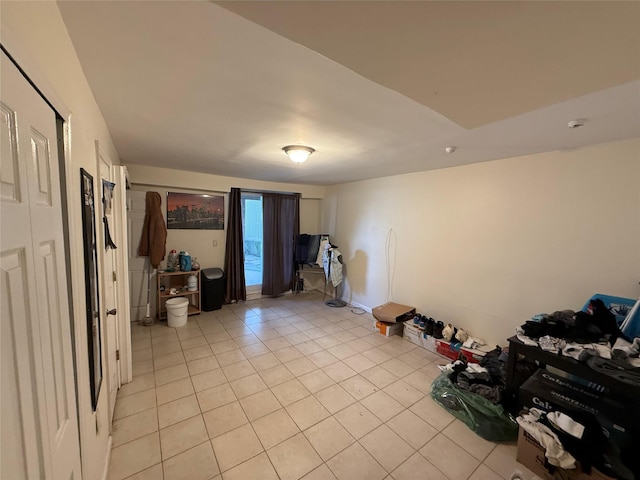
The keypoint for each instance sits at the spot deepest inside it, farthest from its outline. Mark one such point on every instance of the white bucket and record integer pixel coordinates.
(177, 311)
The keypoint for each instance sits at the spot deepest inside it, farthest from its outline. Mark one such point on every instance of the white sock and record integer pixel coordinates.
(566, 423)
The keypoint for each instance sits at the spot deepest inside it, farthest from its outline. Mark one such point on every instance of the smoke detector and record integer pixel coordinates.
(577, 123)
(450, 149)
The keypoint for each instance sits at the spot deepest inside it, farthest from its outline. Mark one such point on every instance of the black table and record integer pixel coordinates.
(567, 364)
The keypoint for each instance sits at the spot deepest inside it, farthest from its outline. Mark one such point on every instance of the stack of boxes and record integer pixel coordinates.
(619, 419)
(389, 318)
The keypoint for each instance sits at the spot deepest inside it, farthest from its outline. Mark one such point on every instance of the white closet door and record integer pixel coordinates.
(39, 420)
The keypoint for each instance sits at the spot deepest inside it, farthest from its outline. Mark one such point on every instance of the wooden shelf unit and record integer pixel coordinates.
(177, 280)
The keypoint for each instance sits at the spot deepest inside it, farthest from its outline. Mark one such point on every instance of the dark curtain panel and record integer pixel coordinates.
(234, 254)
(281, 224)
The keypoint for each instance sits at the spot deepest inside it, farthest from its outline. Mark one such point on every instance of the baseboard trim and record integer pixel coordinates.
(359, 305)
(105, 473)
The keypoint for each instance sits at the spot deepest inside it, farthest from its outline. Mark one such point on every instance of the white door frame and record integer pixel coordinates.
(122, 269)
(107, 282)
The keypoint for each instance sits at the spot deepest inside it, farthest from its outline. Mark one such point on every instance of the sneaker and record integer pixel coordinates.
(462, 335)
(437, 329)
(429, 325)
(447, 332)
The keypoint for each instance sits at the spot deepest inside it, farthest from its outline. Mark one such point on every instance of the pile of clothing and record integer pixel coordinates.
(592, 337)
(486, 379)
(569, 438)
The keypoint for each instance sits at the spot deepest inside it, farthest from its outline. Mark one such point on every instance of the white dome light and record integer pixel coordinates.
(298, 153)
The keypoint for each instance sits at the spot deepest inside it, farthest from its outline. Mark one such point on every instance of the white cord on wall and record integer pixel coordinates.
(391, 266)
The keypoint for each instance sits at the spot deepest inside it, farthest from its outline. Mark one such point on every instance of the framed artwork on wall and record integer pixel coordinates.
(195, 211)
(92, 297)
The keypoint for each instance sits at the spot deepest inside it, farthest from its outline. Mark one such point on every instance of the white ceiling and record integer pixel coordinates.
(377, 88)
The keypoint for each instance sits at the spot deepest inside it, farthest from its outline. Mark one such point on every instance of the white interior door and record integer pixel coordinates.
(38, 414)
(109, 275)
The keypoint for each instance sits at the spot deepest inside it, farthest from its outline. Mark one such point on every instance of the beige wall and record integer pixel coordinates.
(199, 243)
(487, 246)
(35, 35)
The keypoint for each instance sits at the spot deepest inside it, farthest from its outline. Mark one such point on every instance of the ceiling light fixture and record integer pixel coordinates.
(577, 123)
(298, 153)
(450, 149)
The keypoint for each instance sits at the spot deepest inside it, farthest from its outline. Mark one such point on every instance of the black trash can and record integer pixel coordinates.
(213, 284)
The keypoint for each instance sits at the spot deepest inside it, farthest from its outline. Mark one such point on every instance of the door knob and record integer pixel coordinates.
(112, 311)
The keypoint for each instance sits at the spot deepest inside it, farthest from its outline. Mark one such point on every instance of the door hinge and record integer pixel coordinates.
(117, 354)
(114, 277)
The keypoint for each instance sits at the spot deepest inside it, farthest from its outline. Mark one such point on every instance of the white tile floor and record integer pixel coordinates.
(289, 388)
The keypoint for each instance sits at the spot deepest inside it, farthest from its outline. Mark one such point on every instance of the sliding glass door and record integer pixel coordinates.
(252, 236)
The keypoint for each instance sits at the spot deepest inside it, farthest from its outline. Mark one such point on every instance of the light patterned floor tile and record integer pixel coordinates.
(320, 473)
(238, 370)
(224, 419)
(382, 405)
(182, 436)
(339, 372)
(151, 473)
(415, 431)
(334, 398)
(485, 473)
(212, 378)
(417, 467)
(135, 456)
(355, 463)
(307, 412)
(358, 420)
(135, 426)
(178, 410)
(316, 381)
(462, 435)
(294, 457)
(377, 444)
(245, 386)
(358, 387)
(235, 447)
(449, 458)
(404, 393)
(275, 428)
(174, 390)
(432, 413)
(197, 463)
(135, 403)
(290, 392)
(257, 468)
(260, 404)
(328, 437)
(215, 397)
(202, 365)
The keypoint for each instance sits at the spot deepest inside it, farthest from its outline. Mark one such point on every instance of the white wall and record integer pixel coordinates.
(487, 246)
(199, 243)
(35, 35)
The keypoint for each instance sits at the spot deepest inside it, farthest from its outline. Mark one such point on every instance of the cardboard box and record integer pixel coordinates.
(393, 312)
(444, 348)
(619, 420)
(387, 329)
(531, 455)
(413, 334)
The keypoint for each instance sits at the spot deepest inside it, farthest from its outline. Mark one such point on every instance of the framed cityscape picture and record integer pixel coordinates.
(195, 211)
